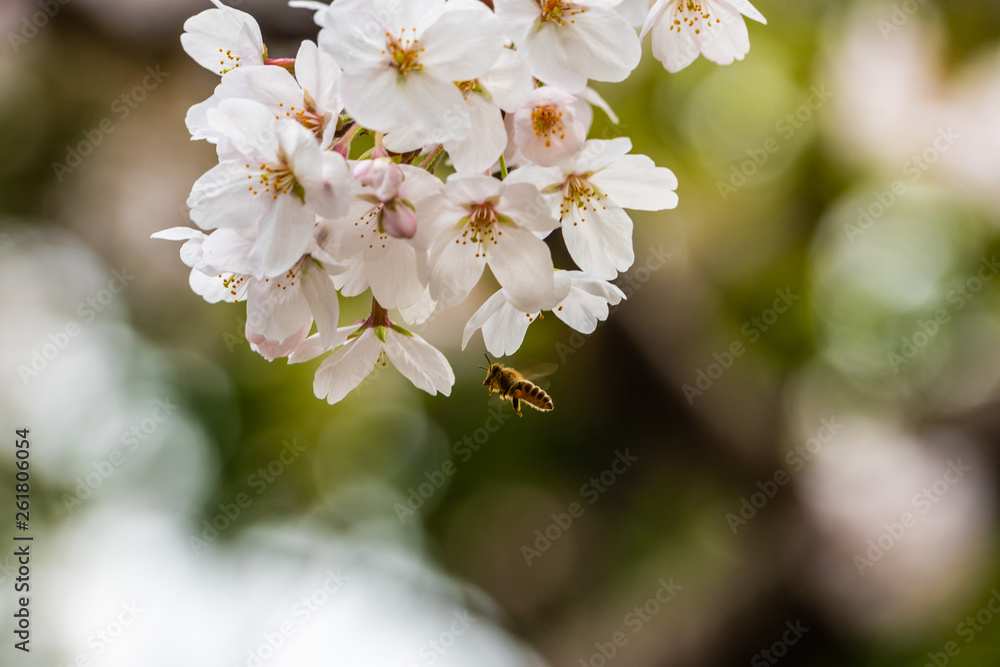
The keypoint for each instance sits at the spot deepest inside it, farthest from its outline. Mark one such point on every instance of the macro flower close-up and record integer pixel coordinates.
(500, 333)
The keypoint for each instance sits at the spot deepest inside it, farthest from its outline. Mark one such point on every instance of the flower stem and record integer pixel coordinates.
(287, 63)
(503, 167)
(379, 316)
(432, 158)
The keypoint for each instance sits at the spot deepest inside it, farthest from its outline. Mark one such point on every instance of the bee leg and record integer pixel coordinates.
(517, 406)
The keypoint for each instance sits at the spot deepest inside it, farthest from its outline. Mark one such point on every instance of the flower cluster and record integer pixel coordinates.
(292, 219)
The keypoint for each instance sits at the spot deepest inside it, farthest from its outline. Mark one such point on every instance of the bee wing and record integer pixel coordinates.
(536, 374)
(541, 370)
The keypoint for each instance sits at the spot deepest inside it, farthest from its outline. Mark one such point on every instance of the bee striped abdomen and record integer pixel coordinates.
(533, 395)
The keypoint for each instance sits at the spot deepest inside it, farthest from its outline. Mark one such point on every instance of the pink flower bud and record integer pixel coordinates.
(399, 219)
(382, 175)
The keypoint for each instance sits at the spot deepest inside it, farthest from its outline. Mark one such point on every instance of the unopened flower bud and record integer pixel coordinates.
(399, 219)
(382, 175)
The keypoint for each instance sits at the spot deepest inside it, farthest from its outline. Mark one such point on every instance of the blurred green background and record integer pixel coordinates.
(805, 372)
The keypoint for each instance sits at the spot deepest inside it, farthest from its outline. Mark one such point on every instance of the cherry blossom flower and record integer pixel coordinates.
(505, 87)
(480, 220)
(378, 250)
(715, 28)
(311, 97)
(589, 192)
(278, 309)
(374, 341)
(401, 60)
(581, 302)
(223, 39)
(566, 42)
(276, 179)
(546, 127)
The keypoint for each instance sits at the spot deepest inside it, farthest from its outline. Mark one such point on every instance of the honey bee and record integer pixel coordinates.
(509, 383)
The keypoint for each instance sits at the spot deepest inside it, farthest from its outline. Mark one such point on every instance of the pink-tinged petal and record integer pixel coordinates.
(353, 281)
(523, 203)
(419, 362)
(249, 126)
(462, 44)
(329, 195)
(212, 289)
(324, 304)
(346, 368)
(222, 39)
(655, 15)
(509, 81)
(597, 154)
(522, 264)
(634, 181)
(354, 36)
(490, 308)
(725, 42)
(271, 349)
(517, 17)
(319, 75)
(420, 311)
(503, 325)
(178, 234)
(312, 347)
(744, 7)
(226, 251)
(393, 274)
(220, 198)
(600, 241)
(465, 189)
(598, 45)
(456, 267)
(482, 148)
(277, 307)
(282, 237)
(352, 234)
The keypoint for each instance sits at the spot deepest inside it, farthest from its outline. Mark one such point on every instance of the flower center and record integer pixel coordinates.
(691, 13)
(227, 61)
(370, 226)
(547, 122)
(404, 52)
(236, 284)
(307, 117)
(579, 193)
(482, 228)
(558, 11)
(276, 180)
